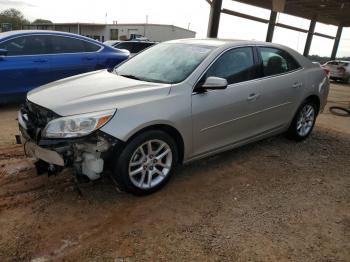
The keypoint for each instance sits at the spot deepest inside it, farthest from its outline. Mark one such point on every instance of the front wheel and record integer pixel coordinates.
(303, 122)
(146, 163)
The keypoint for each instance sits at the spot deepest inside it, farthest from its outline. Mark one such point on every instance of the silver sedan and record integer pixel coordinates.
(173, 103)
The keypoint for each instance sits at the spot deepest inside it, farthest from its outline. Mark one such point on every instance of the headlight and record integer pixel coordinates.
(76, 125)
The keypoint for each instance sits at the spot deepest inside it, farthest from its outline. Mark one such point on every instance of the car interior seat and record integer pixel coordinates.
(274, 66)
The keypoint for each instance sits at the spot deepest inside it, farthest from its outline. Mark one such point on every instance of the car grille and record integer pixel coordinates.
(35, 119)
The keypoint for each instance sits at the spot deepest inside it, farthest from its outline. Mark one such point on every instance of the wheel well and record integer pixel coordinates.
(314, 99)
(173, 132)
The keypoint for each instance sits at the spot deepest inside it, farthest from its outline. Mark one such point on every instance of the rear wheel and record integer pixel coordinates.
(303, 122)
(146, 163)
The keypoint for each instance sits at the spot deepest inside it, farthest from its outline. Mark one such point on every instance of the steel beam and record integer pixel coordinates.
(253, 18)
(291, 27)
(271, 28)
(336, 42)
(214, 18)
(310, 34)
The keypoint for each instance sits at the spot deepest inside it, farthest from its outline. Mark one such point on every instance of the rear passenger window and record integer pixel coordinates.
(276, 61)
(61, 44)
(236, 65)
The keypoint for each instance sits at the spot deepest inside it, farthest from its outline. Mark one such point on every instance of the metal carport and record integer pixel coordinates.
(333, 12)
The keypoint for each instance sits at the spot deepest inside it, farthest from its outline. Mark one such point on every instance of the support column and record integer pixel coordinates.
(271, 28)
(214, 18)
(336, 42)
(310, 34)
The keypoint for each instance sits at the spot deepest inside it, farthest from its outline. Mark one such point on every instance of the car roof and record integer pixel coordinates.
(137, 41)
(224, 44)
(339, 61)
(36, 32)
(217, 42)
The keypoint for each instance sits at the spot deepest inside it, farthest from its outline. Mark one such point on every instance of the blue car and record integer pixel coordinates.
(29, 59)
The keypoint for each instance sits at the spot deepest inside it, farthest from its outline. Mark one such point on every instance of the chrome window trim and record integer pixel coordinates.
(247, 81)
(48, 34)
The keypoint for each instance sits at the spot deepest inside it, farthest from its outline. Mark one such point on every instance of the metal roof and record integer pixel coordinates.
(104, 25)
(334, 12)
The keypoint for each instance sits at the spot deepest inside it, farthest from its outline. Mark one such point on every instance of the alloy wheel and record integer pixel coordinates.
(306, 120)
(150, 164)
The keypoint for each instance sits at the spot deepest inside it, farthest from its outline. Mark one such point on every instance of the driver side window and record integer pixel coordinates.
(236, 65)
(27, 45)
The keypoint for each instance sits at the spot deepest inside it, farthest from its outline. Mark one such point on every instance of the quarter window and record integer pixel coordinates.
(236, 65)
(26, 45)
(276, 61)
(90, 47)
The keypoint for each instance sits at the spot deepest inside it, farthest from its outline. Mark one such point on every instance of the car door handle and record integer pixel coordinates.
(40, 61)
(253, 97)
(297, 85)
(87, 58)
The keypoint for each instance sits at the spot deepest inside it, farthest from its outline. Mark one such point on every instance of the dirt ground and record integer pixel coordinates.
(275, 200)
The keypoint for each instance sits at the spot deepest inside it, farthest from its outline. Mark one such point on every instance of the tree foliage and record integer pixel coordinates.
(41, 21)
(14, 17)
(324, 59)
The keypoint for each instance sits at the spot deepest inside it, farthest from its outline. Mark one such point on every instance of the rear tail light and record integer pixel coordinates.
(327, 71)
(341, 69)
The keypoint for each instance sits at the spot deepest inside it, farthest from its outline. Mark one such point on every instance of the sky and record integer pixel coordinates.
(192, 14)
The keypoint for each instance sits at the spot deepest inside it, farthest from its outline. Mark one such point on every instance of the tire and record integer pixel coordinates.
(302, 126)
(339, 111)
(136, 164)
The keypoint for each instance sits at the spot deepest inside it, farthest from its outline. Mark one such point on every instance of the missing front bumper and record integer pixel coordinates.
(86, 155)
(49, 156)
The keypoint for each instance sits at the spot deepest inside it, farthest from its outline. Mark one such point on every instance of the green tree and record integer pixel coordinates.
(41, 21)
(14, 17)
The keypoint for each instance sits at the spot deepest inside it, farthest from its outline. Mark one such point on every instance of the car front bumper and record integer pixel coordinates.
(49, 156)
(86, 154)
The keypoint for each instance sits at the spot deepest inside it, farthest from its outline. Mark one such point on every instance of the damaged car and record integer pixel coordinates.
(176, 102)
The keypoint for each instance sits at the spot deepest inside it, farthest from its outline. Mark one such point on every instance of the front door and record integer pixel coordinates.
(27, 65)
(224, 117)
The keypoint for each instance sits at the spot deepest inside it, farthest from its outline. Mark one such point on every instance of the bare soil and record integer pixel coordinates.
(275, 200)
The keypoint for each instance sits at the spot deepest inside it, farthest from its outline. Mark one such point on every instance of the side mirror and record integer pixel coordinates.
(3, 52)
(213, 83)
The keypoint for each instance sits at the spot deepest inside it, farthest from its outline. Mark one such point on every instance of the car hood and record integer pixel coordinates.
(95, 91)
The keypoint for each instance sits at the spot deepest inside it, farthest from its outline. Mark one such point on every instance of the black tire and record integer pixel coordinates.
(292, 132)
(121, 169)
(339, 111)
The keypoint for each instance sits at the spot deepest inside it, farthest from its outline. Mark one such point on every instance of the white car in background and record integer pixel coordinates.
(339, 70)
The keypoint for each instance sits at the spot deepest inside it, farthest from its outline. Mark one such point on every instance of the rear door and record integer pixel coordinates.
(72, 56)
(280, 88)
(26, 66)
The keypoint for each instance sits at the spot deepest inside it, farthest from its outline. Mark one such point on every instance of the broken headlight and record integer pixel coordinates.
(77, 125)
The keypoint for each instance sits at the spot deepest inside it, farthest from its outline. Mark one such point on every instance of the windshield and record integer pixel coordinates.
(164, 63)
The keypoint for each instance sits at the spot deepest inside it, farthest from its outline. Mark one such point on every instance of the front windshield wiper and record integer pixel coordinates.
(142, 79)
(131, 76)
